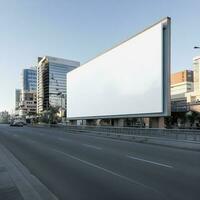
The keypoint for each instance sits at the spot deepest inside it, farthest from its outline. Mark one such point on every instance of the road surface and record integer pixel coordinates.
(84, 167)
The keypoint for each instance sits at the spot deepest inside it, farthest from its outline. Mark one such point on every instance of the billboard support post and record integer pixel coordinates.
(157, 122)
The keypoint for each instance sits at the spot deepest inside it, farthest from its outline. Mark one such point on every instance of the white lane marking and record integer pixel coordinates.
(92, 146)
(106, 170)
(151, 162)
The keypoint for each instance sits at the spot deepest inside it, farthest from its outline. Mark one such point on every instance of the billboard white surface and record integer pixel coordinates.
(131, 79)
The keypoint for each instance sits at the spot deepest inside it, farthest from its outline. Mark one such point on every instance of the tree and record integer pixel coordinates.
(53, 114)
(169, 121)
(4, 118)
(191, 117)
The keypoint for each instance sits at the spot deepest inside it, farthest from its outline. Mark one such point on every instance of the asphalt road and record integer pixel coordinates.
(77, 167)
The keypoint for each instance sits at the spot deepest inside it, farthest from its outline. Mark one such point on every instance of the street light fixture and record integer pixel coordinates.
(196, 47)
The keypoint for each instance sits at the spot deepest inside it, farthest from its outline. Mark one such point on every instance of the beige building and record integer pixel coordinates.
(182, 76)
(181, 83)
(28, 103)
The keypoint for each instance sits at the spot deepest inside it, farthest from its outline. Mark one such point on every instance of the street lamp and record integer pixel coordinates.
(196, 47)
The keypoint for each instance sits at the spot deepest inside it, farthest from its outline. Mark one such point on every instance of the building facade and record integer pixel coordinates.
(29, 79)
(28, 100)
(181, 83)
(51, 82)
(182, 76)
(28, 104)
(184, 93)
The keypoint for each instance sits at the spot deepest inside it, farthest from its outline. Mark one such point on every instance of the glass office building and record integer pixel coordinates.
(29, 79)
(51, 81)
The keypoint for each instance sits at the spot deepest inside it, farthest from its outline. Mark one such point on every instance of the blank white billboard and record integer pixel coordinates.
(131, 79)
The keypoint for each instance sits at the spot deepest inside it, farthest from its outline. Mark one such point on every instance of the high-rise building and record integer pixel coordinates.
(29, 79)
(51, 81)
(181, 83)
(28, 101)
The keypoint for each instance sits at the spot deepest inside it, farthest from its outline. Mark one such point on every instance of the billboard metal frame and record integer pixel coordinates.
(166, 70)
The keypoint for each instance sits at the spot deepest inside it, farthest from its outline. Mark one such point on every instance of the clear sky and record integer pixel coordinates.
(81, 29)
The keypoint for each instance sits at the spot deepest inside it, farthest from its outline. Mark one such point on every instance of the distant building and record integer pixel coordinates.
(181, 83)
(28, 101)
(185, 94)
(28, 104)
(29, 79)
(182, 76)
(51, 82)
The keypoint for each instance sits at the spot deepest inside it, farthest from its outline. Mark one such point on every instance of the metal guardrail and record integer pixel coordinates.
(175, 134)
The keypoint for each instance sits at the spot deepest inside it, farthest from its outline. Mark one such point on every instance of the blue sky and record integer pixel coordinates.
(81, 29)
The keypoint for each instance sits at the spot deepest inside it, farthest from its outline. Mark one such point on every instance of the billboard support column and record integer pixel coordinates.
(147, 122)
(91, 122)
(157, 122)
(73, 122)
(119, 122)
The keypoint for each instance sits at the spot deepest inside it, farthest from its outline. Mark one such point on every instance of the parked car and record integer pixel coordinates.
(17, 123)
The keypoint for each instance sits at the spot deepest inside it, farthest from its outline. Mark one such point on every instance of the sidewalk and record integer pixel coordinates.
(17, 183)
